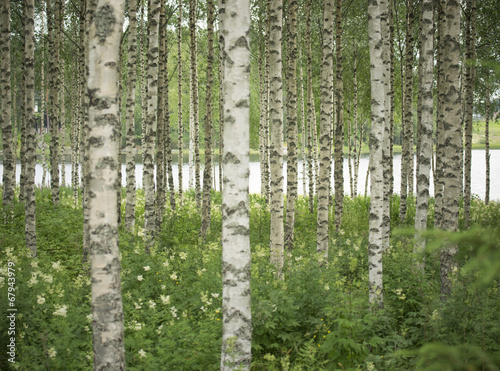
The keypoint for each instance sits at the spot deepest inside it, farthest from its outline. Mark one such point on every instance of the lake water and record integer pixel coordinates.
(478, 175)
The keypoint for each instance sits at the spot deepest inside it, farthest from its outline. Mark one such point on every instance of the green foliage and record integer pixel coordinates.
(317, 317)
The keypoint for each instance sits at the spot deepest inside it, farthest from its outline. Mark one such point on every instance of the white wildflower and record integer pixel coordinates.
(89, 317)
(173, 310)
(56, 266)
(152, 304)
(163, 287)
(138, 326)
(165, 264)
(147, 268)
(34, 264)
(61, 311)
(52, 352)
(215, 295)
(183, 255)
(165, 299)
(41, 299)
(142, 353)
(139, 278)
(173, 276)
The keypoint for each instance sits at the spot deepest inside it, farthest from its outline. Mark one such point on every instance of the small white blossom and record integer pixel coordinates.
(41, 299)
(163, 287)
(165, 264)
(183, 255)
(139, 278)
(34, 264)
(138, 327)
(56, 266)
(173, 276)
(142, 353)
(52, 352)
(61, 311)
(165, 299)
(215, 295)
(152, 304)
(173, 310)
(147, 268)
(89, 317)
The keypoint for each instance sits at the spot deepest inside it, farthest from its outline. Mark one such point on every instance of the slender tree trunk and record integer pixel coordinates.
(451, 125)
(391, 87)
(425, 132)
(407, 155)
(130, 117)
(107, 309)
(9, 162)
(377, 30)
(236, 257)
(152, 101)
(439, 178)
(194, 96)
(22, 113)
(222, 10)
(180, 144)
(267, 99)
(168, 137)
(470, 41)
(62, 108)
(161, 184)
(30, 206)
(311, 115)
(262, 109)
(55, 13)
(207, 174)
(326, 117)
(487, 139)
(292, 126)
(276, 122)
(339, 122)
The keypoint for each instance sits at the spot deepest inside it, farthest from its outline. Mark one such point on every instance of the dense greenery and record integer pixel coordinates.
(316, 318)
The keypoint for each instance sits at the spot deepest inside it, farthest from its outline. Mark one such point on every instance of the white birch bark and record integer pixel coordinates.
(104, 122)
(236, 258)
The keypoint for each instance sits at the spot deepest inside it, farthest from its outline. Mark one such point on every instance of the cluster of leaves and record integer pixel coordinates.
(317, 317)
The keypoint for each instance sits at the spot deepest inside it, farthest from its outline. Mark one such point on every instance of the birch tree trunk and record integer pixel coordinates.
(236, 257)
(9, 163)
(326, 117)
(339, 122)
(407, 156)
(104, 118)
(487, 140)
(222, 9)
(207, 173)
(160, 138)
(267, 101)
(292, 125)
(425, 132)
(276, 123)
(391, 87)
(180, 144)
(311, 115)
(55, 13)
(452, 130)
(29, 188)
(377, 28)
(439, 178)
(130, 117)
(470, 42)
(152, 102)
(62, 108)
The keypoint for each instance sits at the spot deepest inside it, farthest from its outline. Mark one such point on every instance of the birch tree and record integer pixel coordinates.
(377, 27)
(276, 123)
(236, 257)
(425, 132)
(29, 51)
(152, 103)
(129, 121)
(292, 124)
(6, 115)
(104, 118)
(180, 144)
(207, 173)
(452, 131)
(326, 117)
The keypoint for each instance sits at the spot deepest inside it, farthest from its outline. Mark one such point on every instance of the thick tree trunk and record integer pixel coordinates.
(207, 173)
(378, 30)
(425, 132)
(104, 119)
(452, 126)
(439, 178)
(130, 117)
(292, 126)
(29, 188)
(9, 162)
(276, 123)
(326, 117)
(236, 257)
(152, 102)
